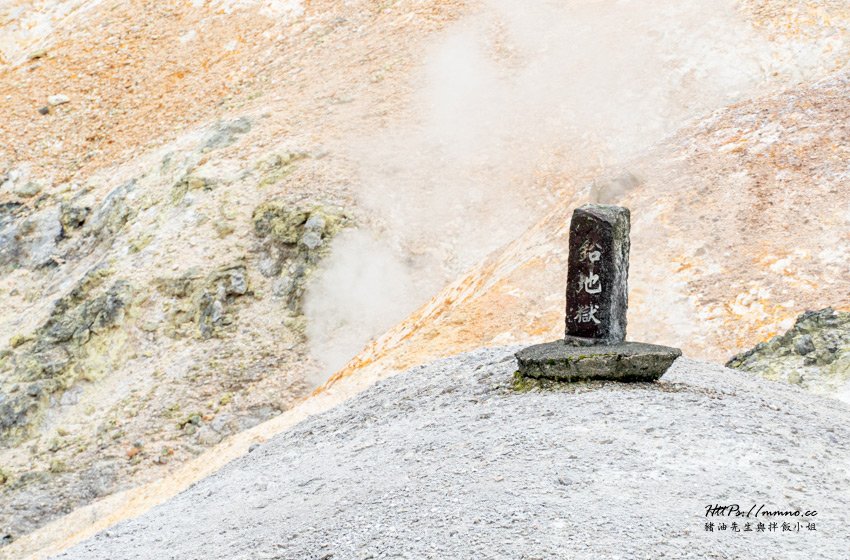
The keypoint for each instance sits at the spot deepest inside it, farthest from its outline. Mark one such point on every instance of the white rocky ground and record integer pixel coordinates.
(456, 460)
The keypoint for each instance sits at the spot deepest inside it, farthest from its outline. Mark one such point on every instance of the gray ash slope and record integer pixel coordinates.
(448, 460)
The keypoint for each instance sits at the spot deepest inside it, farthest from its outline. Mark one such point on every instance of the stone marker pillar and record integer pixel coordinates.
(597, 275)
(594, 345)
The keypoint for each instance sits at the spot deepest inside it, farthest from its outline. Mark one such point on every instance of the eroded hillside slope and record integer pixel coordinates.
(159, 223)
(174, 174)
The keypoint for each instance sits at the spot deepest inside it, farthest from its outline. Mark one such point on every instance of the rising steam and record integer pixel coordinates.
(505, 96)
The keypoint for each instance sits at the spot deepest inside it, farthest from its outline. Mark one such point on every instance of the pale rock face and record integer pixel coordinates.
(31, 242)
(41, 231)
(27, 27)
(58, 99)
(19, 182)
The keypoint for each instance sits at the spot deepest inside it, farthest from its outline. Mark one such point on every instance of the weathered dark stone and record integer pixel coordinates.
(597, 277)
(627, 361)
(72, 217)
(594, 346)
(293, 239)
(14, 410)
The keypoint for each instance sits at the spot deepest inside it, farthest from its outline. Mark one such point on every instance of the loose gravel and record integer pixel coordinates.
(449, 460)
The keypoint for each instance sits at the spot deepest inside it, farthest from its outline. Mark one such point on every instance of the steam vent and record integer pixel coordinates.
(594, 346)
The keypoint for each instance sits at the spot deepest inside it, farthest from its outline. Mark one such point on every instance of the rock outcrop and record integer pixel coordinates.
(814, 354)
(293, 239)
(50, 361)
(30, 242)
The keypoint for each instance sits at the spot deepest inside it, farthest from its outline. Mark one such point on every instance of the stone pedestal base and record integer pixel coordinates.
(627, 361)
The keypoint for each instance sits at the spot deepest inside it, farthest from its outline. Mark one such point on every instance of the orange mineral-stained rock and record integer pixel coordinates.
(728, 245)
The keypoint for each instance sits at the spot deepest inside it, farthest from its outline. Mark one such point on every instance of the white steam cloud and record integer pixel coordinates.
(520, 87)
(343, 305)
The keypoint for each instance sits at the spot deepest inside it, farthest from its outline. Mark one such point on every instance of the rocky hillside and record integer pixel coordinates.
(814, 354)
(207, 208)
(162, 207)
(450, 460)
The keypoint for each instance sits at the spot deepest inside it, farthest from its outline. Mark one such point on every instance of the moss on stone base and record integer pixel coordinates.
(628, 361)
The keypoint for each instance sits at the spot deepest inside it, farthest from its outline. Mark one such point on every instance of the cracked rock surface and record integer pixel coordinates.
(448, 460)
